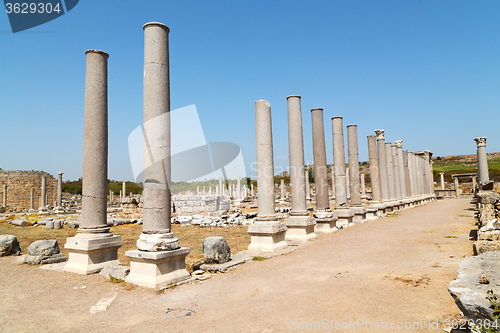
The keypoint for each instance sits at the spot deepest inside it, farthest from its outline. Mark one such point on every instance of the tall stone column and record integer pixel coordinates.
(352, 150)
(238, 189)
(124, 189)
(221, 189)
(384, 177)
(308, 185)
(482, 163)
(325, 222)
(32, 201)
(5, 196)
(158, 260)
(376, 202)
(390, 177)
(407, 174)
(397, 180)
(282, 189)
(59, 208)
(402, 179)
(348, 182)
(430, 173)
(43, 203)
(474, 185)
(267, 233)
(441, 175)
(300, 227)
(457, 189)
(342, 212)
(94, 246)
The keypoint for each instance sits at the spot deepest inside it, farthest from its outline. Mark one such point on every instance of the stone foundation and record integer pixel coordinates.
(200, 204)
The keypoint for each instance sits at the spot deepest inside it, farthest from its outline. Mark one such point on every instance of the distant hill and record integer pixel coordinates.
(464, 164)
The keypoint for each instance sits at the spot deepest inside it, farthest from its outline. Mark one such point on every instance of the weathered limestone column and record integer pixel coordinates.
(402, 178)
(251, 190)
(267, 233)
(32, 201)
(407, 174)
(282, 189)
(441, 175)
(474, 185)
(382, 167)
(43, 203)
(197, 190)
(397, 180)
(221, 189)
(457, 189)
(348, 182)
(300, 227)
(124, 189)
(158, 260)
(239, 188)
(59, 208)
(363, 187)
(308, 185)
(5, 196)
(94, 246)
(376, 203)
(482, 162)
(428, 159)
(342, 212)
(390, 177)
(352, 150)
(325, 222)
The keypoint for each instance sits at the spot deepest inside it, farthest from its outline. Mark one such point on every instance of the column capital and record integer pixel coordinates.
(441, 173)
(60, 173)
(380, 134)
(481, 142)
(399, 143)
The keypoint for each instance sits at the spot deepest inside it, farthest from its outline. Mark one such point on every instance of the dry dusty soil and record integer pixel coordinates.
(388, 272)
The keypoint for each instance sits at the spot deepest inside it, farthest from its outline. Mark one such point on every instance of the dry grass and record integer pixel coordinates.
(192, 237)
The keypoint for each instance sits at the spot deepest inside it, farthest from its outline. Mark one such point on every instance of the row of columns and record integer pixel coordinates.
(400, 179)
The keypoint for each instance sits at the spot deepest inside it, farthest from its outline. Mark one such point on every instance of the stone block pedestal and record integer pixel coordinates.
(157, 269)
(89, 255)
(267, 237)
(300, 229)
(325, 222)
(344, 217)
(359, 214)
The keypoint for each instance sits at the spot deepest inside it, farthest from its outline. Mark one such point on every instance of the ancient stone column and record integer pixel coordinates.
(221, 189)
(124, 190)
(32, 201)
(363, 186)
(376, 203)
(94, 246)
(457, 189)
(267, 233)
(482, 162)
(239, 188)
(352, 150)
(397, 180)
(5, 196)
(300, 227)
(282, 189)
(251, 189)
(390, 177)
(43, 201)
(203, 190)
(441, 175)
(427, 175)
(407, 174)
(325, 222)
(402, 178)
(474, 185)
(210, 190)
(342, 212)
(159, 260)
(384, 177)
(431, 175)
(59, 208)
(197, 190)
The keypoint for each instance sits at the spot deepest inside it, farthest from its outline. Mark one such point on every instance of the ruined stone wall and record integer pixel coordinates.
(199, 204)
(19, 185)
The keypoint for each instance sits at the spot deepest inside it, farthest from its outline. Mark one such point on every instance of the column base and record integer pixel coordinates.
(31, 211)
(359, 214)
(325, 225)
(157, 269)
(43, 210)
(90, 255)
(379, 208)
(267, 236)
(389, 207)
(299, 229)
(59, 210)
(344, 217)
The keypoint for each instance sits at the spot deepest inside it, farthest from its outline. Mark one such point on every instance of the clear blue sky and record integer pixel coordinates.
(428, 72)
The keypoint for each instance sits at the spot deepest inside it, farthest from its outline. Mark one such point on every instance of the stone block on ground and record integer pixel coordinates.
(9, 246)
(483, 246)
(20, 223)
(216, 250)
(116, 271)
(44, 252)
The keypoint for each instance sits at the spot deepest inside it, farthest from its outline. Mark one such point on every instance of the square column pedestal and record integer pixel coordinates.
(344, 217)
(157, 269)
(267, 237)
(326, 223)
(359, 214)
(300, 229)
(90, 255)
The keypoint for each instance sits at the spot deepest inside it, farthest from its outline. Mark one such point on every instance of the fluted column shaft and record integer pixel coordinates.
(352, 149)
(401, 164)
(319, 153)
(482, 160)
(382, 166)
(397, 179)
(374, 170)
(339, 162)
(390, 171)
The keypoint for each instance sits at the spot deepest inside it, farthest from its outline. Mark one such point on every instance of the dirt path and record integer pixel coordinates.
(394, 269)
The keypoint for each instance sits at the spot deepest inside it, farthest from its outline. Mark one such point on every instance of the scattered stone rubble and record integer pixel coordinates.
(44, 252)
(9, 246)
